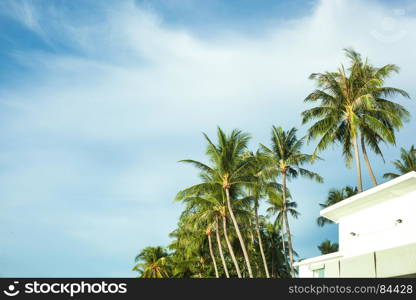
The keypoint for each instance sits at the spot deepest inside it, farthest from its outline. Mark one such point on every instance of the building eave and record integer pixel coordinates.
(318, 259)
(383, 192)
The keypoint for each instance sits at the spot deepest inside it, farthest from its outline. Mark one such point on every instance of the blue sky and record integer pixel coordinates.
(99, 101)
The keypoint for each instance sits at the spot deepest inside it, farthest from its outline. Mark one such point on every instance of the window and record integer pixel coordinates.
(319, 273)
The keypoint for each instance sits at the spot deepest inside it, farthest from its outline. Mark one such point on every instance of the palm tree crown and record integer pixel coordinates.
(152, 262)
(335, 196)
(285, 159)
(406, 164)
(327, 247)
(351, 103)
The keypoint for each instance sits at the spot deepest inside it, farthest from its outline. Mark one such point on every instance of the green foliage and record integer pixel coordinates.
(153, 262)
(327, 247)
(406, 164)
(335, 196)
(354, 103)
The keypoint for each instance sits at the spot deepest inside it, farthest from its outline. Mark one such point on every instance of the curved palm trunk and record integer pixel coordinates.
(211, 252)
(357, 164)
(230, 248)
(282, 234)
(289, 237)
(266, 269)
(237, 230)
(367, 162)
(220, 250)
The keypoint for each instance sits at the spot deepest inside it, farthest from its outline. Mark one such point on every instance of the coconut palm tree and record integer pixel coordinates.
(261, 184)
(152, 262)
(208, 232)
(278, 209)
(276, 257)
(380, 93)
(217, 232)
(351, 103)
(194, 239)
(327, 247)
(213, 208)
(406, 164)
(335, 196)
(286, 160)
(229, 170)
(191, 255)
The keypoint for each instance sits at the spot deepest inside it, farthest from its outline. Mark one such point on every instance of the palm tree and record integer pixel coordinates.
(217, 232)
(229, 170)
(258, 190)
(350, 104)
(208, 232)
(276, 256)
(191, 246)
(379, 93)
(213, 207)
(286, 160)
(278, 209)
(152, 262)
(327, 247)
(194, 236)
(335, 196)
(405, 165)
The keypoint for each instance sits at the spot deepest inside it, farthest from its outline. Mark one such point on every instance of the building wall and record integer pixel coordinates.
(393, 262)
(377, 227)
(304, 272)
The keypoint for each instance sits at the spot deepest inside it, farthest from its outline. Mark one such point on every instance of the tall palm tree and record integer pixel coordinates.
(327, 247)
(217, 232)
(350, 104)
(276, 257)
(286, 160)
(405, 165)
(211, 208)
(258, 190)
(191, 250)
(152, 262)
(335, 196)
(278, 209)
(380, 93)
(229, 245)
(208, 232)
(229, 170)
(190, 247)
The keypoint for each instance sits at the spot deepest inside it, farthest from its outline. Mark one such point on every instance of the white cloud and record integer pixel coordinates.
(137, 75)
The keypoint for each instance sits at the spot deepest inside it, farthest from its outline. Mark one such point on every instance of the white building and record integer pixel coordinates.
(377, 234)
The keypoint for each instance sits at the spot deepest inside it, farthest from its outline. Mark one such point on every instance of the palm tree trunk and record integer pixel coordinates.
(358, 164)
(220, 250)
(282, 234)
(237, 230)
(289, 245)
(367, 162)
(266, 269)
(212, 255)
(289, 237)
(230, 248)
